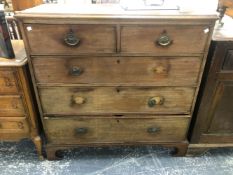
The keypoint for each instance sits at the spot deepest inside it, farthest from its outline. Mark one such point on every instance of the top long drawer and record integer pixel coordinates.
(71, 39)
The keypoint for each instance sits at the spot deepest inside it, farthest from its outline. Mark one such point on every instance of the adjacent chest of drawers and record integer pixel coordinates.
(115, 79)
(18, 119)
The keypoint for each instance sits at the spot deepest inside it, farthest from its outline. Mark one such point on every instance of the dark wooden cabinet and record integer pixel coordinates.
(214, 114)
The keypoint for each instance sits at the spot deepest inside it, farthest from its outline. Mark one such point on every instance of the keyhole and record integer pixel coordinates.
(118, 90)
(118, 115)
(118, 61)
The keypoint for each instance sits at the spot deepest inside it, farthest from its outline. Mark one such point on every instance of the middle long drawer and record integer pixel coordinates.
(151, 71)
(105, 100)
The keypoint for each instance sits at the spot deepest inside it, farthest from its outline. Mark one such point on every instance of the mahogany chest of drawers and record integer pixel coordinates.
(104, 76)
(18, 119)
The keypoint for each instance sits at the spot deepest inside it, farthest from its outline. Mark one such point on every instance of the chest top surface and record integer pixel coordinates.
(20, 55)
(108, 11)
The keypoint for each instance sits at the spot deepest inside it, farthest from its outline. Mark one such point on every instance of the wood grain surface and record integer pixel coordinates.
(61, 100)
(151, 71)
(11, 106)
(93, 39)
(13, 125)
(142, 39)
(116, 130)
(8, 83)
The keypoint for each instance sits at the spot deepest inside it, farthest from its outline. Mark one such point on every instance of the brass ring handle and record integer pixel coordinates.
(164, 40)
(153, 101)
(70, 39)
(80, 131)
(79, 100)
(76, 71)
(153, 130)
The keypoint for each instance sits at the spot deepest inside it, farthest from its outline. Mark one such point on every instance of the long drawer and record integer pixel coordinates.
(91, 100)
(7, 81)
(81, 130)
(11, 106)
(165, 40)
(71, 39)
(156, 71)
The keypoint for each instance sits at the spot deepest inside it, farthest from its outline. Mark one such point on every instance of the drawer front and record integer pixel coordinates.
(7, 81)
(156, 71)
(116, 130)
(165, 40)
(13, 125)
(11, 106)
(71, 39)
(85, 100)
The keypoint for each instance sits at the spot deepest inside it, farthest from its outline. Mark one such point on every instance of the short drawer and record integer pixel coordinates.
(156, 71)
(7, 81)
(92, 100)
(11, 106)
(70, 39)
(163, 40)
(116, 130)
(13, 125)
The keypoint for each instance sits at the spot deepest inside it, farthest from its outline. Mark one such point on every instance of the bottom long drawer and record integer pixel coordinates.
(84, 130)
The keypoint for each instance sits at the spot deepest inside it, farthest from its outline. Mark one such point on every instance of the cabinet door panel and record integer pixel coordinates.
(222, 109)
(228, 61)
(214, 112)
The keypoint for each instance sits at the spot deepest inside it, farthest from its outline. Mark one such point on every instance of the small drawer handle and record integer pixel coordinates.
(164, 40)
(76, 71)
(154, 101)
(80, 131)
(8, 83)
(159, 70)
(153, 130)
(14, 104)
(70, 39)
(79, 100)
(20, 125)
